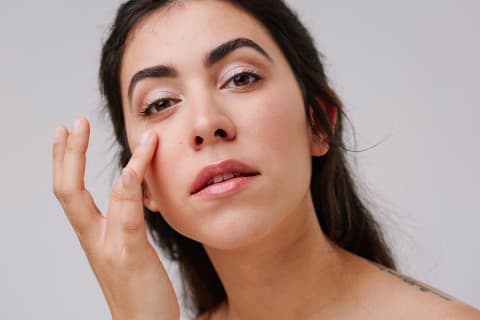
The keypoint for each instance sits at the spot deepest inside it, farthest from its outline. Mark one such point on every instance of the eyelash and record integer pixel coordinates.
(246, 72)
(147, 111)
(254, 77)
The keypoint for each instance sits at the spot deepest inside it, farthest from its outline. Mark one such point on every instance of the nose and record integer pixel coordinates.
(211, 125)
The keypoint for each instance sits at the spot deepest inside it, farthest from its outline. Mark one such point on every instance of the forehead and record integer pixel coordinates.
(182, 33)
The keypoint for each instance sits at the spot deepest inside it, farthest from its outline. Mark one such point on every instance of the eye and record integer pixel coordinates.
(242, 79)
(158, 106)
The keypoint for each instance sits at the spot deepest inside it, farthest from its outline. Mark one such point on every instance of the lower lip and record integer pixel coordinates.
(225, 188)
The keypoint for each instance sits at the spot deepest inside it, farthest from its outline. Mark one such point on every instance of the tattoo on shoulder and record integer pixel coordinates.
(414, 283)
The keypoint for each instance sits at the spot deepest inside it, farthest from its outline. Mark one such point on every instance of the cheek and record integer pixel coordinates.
(281, 123)
(165, 170)
(284, 134)
(166, 176)
(135, 129)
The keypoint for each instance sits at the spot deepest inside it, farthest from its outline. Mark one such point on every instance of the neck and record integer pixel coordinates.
(290, 274)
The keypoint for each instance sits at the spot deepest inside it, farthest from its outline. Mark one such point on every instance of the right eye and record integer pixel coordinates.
(158, 106)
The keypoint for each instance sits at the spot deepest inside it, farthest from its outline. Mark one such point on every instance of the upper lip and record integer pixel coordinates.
(225, 167)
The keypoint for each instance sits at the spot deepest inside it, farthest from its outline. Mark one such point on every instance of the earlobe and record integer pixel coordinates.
(318, 145)
(148, 201)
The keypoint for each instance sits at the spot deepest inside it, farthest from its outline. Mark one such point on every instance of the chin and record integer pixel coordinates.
(231, 229)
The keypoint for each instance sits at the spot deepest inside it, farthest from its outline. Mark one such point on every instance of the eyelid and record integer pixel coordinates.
(155, 95)
(238, 69)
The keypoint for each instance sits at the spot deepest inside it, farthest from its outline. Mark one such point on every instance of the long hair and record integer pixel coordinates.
(342, 215)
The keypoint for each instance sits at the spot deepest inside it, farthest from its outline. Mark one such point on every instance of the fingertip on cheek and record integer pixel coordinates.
(145, 137)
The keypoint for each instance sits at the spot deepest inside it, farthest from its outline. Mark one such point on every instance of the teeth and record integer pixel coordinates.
(228, 176)
(217, 179)
(223, 177)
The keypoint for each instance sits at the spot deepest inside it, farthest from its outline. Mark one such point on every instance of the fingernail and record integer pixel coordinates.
(77, 126)
(126, 178)
(58, 135)
(145, 137)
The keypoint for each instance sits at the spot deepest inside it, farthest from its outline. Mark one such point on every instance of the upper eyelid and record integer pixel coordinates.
(233, 71)
(150, 98)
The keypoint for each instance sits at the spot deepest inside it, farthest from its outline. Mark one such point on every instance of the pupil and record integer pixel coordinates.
(161, 105)
(241, 79)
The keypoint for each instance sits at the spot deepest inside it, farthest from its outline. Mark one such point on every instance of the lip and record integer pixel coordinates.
(245, 174)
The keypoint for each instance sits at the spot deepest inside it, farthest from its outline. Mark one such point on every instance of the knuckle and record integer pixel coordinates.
(131, 227)
(56, 192)
(120, 194)
(71, 146)
(64, 194)
(75, 146)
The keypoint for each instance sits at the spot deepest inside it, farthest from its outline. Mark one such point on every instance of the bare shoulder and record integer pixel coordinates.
(417, 300)
(460, 311)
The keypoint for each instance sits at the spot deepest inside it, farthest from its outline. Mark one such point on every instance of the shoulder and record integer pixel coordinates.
(382, 293)
(457, 311)
(419, 300)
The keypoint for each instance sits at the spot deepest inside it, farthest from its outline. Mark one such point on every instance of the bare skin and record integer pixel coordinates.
(304, 281)
(365, 291)
(271, 256)
(125, 264)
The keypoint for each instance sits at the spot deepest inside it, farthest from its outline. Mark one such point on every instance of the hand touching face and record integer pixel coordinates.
(127, 267)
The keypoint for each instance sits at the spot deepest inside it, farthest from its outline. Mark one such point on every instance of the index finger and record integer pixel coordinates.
(143, 154)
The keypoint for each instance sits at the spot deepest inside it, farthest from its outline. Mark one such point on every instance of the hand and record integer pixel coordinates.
(125, 264)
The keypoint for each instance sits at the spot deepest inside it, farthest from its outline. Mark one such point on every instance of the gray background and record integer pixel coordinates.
(408, 72)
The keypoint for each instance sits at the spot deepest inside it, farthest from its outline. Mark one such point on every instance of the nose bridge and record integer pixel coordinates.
(211, 122)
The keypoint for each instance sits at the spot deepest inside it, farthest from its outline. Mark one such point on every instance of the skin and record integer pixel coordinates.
(272, 256)
(252, 113)
(126, 266)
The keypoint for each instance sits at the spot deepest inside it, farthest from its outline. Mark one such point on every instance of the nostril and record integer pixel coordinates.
(198, 140)
(220, 133)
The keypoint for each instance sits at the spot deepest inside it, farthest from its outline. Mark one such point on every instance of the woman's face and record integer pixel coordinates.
(233, 161)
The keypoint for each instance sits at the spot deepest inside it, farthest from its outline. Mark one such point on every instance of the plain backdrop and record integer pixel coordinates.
(408, 72)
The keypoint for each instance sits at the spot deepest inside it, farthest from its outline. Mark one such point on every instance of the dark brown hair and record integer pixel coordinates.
(341, 213)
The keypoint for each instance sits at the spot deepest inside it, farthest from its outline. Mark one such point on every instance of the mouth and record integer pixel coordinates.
(223, 173)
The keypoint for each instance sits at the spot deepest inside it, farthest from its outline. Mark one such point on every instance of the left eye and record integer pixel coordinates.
(242, 79)
(158, 106)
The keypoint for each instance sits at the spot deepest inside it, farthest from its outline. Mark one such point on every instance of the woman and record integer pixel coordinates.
(231, 144)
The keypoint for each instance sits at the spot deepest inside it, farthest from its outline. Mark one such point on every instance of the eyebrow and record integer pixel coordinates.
(159, 71)
(215, 56)
(228, 47)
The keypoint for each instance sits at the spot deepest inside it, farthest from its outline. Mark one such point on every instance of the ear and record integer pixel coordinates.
(148, 200)
(319, 144)
(332, 114)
